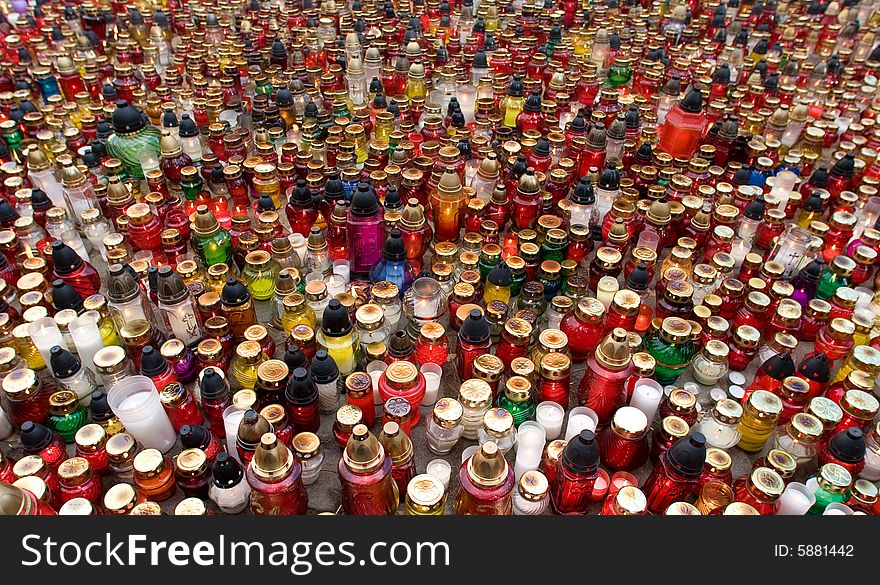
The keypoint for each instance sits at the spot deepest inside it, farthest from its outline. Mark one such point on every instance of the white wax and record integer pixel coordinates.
(336, 284)
(46, 335)
(375, 369)
(549, 415)
(646, 397)
(432, 388)
(578, 423)
(87, 339)
(342, 268)
(440, 469)
(231, 418)
(608, 285)
(153, 431)
(468, 451)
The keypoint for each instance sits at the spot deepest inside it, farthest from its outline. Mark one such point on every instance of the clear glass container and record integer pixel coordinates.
(371, 325)
(307, 447)
(799, 438)
(445, 426)
(720, 425)
(530, 498)
(475, 397)
(790, 248)
(498, 427)
(710, 365)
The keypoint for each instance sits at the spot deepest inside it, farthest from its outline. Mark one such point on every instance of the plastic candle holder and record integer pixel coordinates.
(87, 339)
(467, 452)
(441, 469)
(135, 401)
(549, 415)
(433, 374)
(343, 269)
(530, 441)
(46, 335)
(796, 500)
(232, 416)
(837, 509)
(579, 419)
(608, 285)
(375, 369)
(647, 395)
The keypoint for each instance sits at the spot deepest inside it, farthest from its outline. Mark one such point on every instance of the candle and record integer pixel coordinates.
(647, 395)
(440, 469)
(72, 239)
(605, 290)
(530, 440)
(300, 246)
(783, 184)
(796, 500)
(46, 335)
(600, 488)
(336, 285)
(87, 339)
(232, 416)
(579, 419)
(549, 415)
(135, 401)
(739, 251)
(432, 374)
(343, 269)
(468, 451)
(620, 480)
(6, 427)
(837, 509)
(375, 369)
(868, 215)
(649, 239)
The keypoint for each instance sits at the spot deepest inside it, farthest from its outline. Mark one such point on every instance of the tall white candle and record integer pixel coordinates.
(232, 416)
(432, 374)
(608, 285)
(579, 419)
(647, 395)
(87, 339)
(46, 335)
(135, 401)
(375, 369)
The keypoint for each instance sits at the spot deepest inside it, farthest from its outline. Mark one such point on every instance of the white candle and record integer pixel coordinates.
(335, 285)
(468, 451)
(739, 251)
(300, 246)
(530, 440)
(343, 269)
(232, 416)
(6, 427)
(647, 395)
(440, 469)
(375, 369)
(46, 335)
(783, 184)
(433, 374)
(87, 339)
(549, 415)
(605, 290)
(796, 500)
(578, 423)
(135, 401)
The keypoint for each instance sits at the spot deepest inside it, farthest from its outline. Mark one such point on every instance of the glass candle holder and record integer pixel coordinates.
(45, 335)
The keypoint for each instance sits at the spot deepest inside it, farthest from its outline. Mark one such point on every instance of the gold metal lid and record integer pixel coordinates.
(272, 372)
(675, 426)
(718, 460)
(487, 467)
(109, 359)
(630, 422)
(19, 384)
(363, 453)
(190, 507)
(349, 415)
(121, 447)
(488, 367)
(630, 501)
(120, 498)
(533, 486)
(475, 393)
(149, 462)
(740, 509)
(764, 405)
(425, 490)
(191, 462)
(272, 459)
(447, 412)
(727, 411)
(402, 372)
(682, 509)
(74, 470)
(498, 422)
(147, 508)
(676, 330)
(306, 445)
(90, 437)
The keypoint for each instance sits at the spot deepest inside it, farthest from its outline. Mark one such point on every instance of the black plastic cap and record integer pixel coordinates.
(127, 118)
(195, 437)
(481, 61)
(152, 362)
(295, 358)
(394, 249)
(815, 368)
(364, 202)
(500, 275)
(7, 212)
(638, 279)
(645, 151)
(813, 270)
(65, 296)
(533, 102)
(64, 364)
(581, 454)
(779, 366)
(392, 199)
(722, 74)
(301, 389)
(65, 260)
(234, 293)
(741, 176)
(687, 455)
(334, 190)
(227, 472)
(335, 321)
(848, 446)
(845, 167)
(542, 147)
(516, 88)
(323, 369)
(609, 179)
(39, 200)
(813, 203)
(755, 209)
(99, 408)
(583, 194)
(400, 345)
(187, 128)
(34, 437)
(474, 329)
(819, 178)
(692, 101)
(212, 385)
